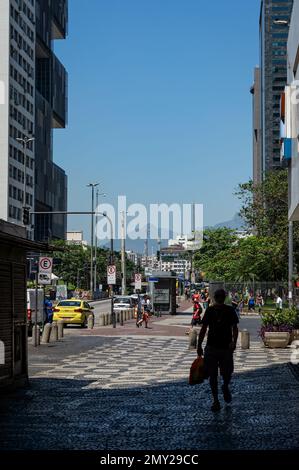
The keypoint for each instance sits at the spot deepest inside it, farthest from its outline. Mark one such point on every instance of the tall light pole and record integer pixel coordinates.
(123, 255)
(96, 238)
(92, 186)
(25, 141)
(111, 262)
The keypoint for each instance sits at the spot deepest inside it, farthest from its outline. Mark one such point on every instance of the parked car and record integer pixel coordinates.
(122, 302)
(73, 311)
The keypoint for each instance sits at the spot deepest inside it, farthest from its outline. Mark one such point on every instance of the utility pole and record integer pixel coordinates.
(92, 186)
(96, 243)
(96, 237)
(123, 255)
(25, 141)
(159, 255)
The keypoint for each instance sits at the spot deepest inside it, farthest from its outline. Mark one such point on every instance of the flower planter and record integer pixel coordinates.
(276, 339)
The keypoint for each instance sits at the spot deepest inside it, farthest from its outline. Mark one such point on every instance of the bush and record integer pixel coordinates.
(286, 320)
(288, 316)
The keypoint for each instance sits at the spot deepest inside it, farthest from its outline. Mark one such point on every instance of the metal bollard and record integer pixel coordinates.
(117, 317)
(245, 339)
(46, 333)
(109, 319)
(101, 320)
(193, 339)
(125, 315)
(122, 318)
(90, 322)
(60, 325)
(35, 335)
(105, 319)
(54, 332)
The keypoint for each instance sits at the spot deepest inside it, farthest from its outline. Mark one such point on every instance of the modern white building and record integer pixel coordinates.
(76, 238)
(290, 115)
(17, 106)
(33, 101)
(179, 265)
(180, 240)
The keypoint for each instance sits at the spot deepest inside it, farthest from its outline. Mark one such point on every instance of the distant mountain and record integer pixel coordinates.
(236, 223)
(138, 246)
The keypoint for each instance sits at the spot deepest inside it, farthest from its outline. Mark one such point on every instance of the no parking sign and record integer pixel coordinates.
(111, 275)
(138, 280)
(45, 265)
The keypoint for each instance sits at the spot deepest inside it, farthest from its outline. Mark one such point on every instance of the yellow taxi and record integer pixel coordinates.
(73, 311)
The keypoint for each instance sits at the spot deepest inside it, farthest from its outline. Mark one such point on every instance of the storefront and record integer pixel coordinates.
(13, 321)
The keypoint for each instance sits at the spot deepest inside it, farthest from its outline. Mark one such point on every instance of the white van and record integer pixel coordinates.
(41, 315)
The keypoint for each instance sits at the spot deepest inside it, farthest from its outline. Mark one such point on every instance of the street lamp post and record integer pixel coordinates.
(92, 186)
(25, 141)
(123, 255)
(96, 238)
(111, 261)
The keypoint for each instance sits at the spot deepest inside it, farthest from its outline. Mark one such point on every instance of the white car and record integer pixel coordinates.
(122, 302)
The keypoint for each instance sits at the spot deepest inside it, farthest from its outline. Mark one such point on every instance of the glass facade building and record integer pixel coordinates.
(33, 102)
(51, 113)
(274, 28)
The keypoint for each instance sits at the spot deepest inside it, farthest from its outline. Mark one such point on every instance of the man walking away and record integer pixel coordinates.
(222, 322)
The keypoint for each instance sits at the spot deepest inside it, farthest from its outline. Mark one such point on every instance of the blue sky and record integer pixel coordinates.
(159, 102)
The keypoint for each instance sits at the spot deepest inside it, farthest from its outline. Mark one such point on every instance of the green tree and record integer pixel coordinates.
(265, 205)
(265, 212)
(216, 254)
(74, 264)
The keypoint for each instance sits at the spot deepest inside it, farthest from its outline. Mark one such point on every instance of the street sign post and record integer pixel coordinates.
(148, 271)
(111, 275)
(45, 266)
(44, 279)
(138, 281)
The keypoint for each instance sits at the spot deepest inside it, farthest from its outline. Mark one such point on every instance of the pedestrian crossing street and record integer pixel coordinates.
(142, 361)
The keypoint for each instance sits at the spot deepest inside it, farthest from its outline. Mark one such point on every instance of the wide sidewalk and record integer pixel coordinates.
(102, 390)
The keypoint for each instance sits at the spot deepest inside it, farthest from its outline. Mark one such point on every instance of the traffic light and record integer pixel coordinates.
(26, 216)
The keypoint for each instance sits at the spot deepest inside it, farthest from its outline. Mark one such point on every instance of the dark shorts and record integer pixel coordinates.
(215, 359)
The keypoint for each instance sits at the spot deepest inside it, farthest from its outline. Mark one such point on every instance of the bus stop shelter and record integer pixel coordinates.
(162, 287)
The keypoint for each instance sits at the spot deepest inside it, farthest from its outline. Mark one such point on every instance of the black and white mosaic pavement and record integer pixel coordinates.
(133, 393)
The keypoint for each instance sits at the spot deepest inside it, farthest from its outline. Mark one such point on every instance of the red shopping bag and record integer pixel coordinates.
(197, 374)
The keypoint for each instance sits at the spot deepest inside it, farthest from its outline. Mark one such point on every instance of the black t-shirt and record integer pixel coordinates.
(220, 319)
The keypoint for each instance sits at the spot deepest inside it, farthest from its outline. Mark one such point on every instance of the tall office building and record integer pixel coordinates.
(33, 90)
(274, 27)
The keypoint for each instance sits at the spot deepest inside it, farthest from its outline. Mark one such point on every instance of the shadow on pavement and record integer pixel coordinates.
(56, 413)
